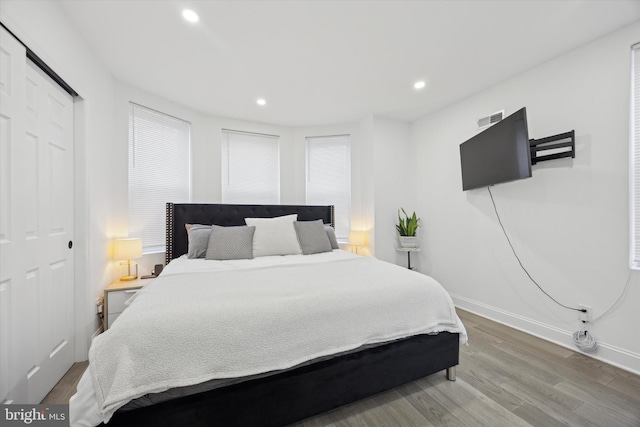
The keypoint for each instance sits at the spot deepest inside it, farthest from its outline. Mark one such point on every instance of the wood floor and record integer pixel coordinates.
(505, 378)
(66, 387)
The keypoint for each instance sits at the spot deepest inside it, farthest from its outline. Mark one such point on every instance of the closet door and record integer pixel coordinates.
(38, 252)
(48, 178)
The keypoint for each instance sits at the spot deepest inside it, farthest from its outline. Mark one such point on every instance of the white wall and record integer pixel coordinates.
(394, 187)
(569, 222)
(363, 184)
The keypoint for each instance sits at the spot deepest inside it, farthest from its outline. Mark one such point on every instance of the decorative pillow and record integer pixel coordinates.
(331, 233)
(312, 237)
(230, 242)
(275, 236)
(198, 236)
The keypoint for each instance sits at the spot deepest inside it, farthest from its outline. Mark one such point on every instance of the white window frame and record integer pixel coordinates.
(159, 171)
(342, 199)
(246, 179)
(634, 160)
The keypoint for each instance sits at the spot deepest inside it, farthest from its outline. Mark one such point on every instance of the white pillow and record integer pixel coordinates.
(275, 236)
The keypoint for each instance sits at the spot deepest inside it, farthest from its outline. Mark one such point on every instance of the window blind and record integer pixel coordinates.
(159, 172)
(329, 177)
(635, 157)
(250, 168)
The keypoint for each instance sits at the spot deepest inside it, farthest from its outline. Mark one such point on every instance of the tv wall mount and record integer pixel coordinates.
(555, 147)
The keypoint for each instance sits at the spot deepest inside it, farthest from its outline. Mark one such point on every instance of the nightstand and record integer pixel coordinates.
(115, 296)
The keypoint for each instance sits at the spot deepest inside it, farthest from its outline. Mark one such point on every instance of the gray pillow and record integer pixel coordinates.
(312, 237)
(231, 242)
(331, 233)
(198, 236)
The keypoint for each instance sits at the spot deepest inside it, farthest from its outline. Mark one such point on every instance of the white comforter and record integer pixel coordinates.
(245, 318)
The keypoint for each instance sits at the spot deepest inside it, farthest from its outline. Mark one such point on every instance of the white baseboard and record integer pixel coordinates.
(616, 356)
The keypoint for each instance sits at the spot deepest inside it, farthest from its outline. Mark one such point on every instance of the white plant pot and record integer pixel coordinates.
(409, 242)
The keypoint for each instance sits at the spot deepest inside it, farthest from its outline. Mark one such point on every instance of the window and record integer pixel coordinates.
(329, 177)
(250, 168)
(159, 172)
(635, 157)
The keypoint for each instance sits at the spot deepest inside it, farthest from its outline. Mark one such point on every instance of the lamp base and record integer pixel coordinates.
(130, 272)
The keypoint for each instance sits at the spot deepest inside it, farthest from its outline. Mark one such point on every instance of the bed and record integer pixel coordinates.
(275, 387)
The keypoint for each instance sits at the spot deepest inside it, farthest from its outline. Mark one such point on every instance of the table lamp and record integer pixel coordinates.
(126, 250)
(357, 238)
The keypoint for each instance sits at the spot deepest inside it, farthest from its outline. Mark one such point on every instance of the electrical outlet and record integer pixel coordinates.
(585, 316)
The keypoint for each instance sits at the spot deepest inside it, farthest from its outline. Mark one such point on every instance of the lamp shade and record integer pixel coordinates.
(358, 237)
(127, 249)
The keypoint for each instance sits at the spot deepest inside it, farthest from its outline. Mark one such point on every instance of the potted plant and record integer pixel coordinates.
(407, 227)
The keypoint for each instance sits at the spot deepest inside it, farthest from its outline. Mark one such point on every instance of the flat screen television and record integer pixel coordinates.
(498, 154)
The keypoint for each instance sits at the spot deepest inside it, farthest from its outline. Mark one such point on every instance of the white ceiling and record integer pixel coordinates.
(328, 62)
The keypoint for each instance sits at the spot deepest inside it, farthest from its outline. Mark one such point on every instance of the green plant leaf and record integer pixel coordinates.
(408, 225)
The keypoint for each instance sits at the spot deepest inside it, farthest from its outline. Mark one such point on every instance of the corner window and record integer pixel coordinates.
(329, 177)
(250, 168)
(159, 172)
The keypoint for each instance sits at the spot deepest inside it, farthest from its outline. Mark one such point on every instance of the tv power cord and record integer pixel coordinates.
(585, 341)
(582, 338)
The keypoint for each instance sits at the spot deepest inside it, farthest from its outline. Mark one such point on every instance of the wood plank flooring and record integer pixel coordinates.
(505, 378)
(66, 387)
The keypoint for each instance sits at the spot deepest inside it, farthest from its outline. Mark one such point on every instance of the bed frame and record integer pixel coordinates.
(299, 393)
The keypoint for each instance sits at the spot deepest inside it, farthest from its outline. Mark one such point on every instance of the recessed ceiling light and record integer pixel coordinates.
(419, 85)
(190, 15)
(261, 102)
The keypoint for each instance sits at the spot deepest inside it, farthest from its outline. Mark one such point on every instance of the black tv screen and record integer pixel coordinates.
(498, 154)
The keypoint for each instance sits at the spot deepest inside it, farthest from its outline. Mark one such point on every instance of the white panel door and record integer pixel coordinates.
(40, 259)
(48, 175)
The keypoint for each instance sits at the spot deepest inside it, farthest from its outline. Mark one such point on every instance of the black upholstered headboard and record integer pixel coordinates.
(179, 214)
